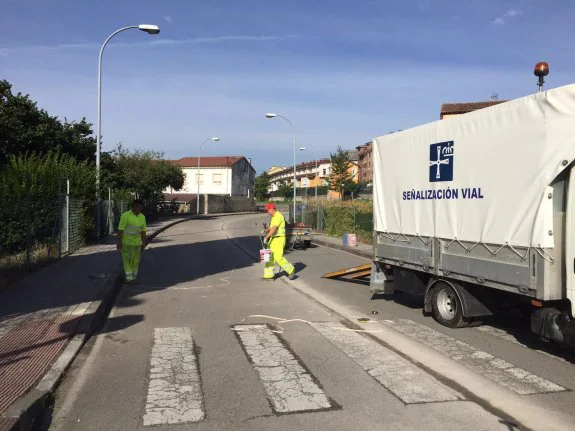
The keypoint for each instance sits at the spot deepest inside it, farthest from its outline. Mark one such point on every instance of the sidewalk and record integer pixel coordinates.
(46, 318)
(363, 250)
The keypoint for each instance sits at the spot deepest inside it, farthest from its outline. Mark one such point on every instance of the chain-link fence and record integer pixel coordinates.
(337, 220)
(30, 233)
(110, 214)
(39, 229)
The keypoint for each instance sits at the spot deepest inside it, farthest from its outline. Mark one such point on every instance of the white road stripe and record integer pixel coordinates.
(495, 369)
(174, 389)
(290, 387)
(402, 378)
(500, 333)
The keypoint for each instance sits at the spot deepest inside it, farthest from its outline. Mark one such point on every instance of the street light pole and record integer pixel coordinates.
(148, 28)
(316, 171)
(272, 115)
(215, 139)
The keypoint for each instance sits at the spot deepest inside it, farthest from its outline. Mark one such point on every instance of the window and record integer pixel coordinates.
(201, 178)
(324, 172)
(217, 179)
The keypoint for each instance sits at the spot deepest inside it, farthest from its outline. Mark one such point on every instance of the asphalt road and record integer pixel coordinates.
(180, 351)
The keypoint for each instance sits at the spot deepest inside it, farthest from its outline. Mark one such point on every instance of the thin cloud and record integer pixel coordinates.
(155, 42)
(168, 19)
(510, 14)
(217, 39)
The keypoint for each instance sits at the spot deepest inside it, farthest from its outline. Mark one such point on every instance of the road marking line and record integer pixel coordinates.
(174, 389)
(402, 378)
(504, 335)
(501, 372)
(290, 387)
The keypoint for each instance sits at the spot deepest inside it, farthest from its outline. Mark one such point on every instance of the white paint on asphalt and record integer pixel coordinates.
(402, 378)
(174, 389)
(504, 335)
(501, 372)
(290, 387)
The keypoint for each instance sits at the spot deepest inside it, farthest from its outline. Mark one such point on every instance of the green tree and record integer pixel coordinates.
(285, 190)
(340, 178)
(354, 189)
(143, 172)
(261, 186)
(31, 192)
(26, 128)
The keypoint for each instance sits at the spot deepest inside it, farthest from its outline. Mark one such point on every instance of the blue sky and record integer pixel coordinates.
(343, 72)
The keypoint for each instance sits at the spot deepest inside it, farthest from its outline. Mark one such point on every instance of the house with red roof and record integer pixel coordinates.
(454, 109)
(221, 175)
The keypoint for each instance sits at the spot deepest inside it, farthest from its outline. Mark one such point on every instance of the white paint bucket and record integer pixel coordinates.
(265, 255)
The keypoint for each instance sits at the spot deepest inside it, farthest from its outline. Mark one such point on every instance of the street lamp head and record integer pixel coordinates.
(149, 28)
(271, 115)
(303, 148)
(216, 139)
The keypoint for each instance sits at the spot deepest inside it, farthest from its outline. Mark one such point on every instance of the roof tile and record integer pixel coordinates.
(207, 162)
(463, 108)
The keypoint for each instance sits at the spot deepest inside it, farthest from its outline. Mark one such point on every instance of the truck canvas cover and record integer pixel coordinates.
(482, 177)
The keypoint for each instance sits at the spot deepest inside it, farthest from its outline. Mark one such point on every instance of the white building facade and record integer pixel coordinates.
(226, 176)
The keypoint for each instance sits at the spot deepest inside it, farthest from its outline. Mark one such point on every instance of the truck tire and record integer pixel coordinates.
(446, 306)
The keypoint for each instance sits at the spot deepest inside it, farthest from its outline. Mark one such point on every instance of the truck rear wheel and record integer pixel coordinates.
(446, 306)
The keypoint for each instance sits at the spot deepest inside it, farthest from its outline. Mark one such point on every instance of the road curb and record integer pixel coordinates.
(342, 248)
(23, 413)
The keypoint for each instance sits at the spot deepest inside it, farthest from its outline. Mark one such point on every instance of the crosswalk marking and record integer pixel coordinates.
(402, 378)
(174, 389)
(290, 387)
(500, 333)
(495, 369)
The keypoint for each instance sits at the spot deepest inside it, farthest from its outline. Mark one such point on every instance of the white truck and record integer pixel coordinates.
(477, 212)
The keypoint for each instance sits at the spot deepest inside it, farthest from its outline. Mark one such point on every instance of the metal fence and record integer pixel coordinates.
(38, 229)
(336, 220)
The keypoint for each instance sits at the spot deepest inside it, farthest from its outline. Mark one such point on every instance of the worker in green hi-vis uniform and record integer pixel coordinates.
(132, 239)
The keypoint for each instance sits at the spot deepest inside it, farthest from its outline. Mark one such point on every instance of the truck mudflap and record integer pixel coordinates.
(381, 279)
(550, 324)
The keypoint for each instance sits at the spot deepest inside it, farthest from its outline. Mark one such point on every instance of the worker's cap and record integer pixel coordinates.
(270, 206)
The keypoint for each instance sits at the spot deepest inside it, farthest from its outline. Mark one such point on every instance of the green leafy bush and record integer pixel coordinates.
(32, 190)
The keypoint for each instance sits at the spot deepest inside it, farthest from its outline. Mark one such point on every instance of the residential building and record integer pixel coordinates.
(225, 175)
(453, 109)
(364, 153)
(306, 174)
(274, 169)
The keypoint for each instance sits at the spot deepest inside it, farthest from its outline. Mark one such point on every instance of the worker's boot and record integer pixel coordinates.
(292, 275)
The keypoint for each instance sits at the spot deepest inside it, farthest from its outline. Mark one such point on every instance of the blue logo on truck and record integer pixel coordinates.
(441, 162)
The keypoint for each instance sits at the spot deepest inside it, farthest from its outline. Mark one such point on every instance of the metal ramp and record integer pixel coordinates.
(356, 273)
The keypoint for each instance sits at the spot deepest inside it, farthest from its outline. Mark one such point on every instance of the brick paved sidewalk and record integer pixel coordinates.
(40, 314)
